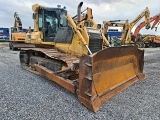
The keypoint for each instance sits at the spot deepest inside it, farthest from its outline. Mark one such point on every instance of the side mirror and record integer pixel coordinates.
(34, 16)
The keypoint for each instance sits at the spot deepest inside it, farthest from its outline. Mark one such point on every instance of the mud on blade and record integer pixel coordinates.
(108, 72)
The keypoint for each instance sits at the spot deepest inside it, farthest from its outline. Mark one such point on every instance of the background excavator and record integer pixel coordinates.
(156, 22)
(155, 41)
(69, 51)
(148, 40)
(17, 36)
(126, 37)
(151, 40)
(155, 18)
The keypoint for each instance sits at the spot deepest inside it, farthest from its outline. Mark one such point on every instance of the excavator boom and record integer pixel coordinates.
(17, 21)
(126, 34)
(155, 18)
(156, 21)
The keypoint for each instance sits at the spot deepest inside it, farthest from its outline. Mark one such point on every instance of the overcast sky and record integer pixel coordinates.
(102, 10)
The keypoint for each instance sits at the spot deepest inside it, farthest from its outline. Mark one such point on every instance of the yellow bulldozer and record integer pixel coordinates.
(69, 51)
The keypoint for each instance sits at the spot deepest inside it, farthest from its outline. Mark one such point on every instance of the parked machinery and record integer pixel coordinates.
(151, 40)
(17, 36)
(126, 34)
(113, 23)
(71, 53)
(155, 41)
(147, 40)
(114, 41)
(155, 19)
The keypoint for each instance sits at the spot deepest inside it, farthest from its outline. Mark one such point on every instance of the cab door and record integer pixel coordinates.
(50, 25)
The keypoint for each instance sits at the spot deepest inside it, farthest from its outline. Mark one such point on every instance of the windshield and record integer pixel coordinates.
(54, 20)
(63, 19)
(13, 29)
(51, 23)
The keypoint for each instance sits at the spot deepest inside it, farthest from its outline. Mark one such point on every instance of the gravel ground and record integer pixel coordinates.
(24, 95)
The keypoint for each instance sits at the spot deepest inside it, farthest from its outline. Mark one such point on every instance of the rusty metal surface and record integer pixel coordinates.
(55, 54)
(67, 84)
(22, 45)
(100, 76)
(64, 78)
(108, 72)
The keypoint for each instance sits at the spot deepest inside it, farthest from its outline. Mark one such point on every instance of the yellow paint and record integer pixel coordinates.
(109, 79)
(80, 38)
(18, 37)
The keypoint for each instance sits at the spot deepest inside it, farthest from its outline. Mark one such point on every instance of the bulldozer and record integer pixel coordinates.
(69, 51)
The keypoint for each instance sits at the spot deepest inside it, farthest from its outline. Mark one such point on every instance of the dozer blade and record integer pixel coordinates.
(108, 72)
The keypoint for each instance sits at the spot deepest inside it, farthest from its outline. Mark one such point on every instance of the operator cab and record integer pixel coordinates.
(50, 20)
(16, 29)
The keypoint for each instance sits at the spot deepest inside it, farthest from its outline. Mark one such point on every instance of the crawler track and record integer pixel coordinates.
(57, 65)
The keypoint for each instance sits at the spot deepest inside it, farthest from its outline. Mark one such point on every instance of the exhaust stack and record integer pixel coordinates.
(79, 11)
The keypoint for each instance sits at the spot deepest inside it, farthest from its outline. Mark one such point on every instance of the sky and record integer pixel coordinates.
(103, 10)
